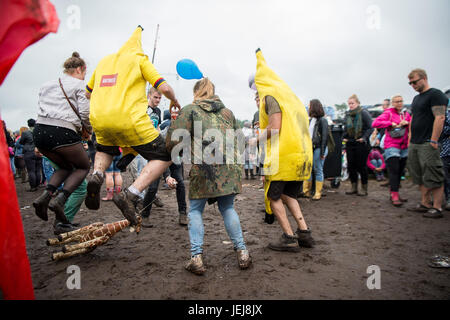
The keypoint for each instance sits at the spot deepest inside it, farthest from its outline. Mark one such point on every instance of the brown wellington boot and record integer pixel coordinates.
(363, 192)
(354, 189)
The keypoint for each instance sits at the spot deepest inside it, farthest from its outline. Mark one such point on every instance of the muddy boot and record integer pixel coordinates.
(23, 175)
(94, 185)
(127, 202)
(246, 174)
(41, 205)
(57, 206)
(252, 176)
(244, 259)
(305, 239)
(183, 219)
(285, 243)
(157, 202)
(363, 192)
(195, 265)
(354, 189)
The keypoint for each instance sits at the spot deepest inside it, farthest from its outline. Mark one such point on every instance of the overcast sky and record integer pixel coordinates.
(325, 49)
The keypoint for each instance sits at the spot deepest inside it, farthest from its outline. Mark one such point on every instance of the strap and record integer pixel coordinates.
(67, 98)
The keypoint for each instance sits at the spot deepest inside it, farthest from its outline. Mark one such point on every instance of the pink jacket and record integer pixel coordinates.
(385, 121)
(375, 154)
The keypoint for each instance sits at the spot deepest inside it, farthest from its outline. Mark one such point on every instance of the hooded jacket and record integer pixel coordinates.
(118, 100)
(216, 171)
(385, 121)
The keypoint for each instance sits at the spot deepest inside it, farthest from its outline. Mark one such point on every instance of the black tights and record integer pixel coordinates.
(395, 166)
(73, 163)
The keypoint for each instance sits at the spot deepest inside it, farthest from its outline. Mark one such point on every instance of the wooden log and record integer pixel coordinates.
(88, 244)
(61, 255)
(80, 231)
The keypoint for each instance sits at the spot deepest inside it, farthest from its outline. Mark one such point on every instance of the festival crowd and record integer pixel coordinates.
(86, 134)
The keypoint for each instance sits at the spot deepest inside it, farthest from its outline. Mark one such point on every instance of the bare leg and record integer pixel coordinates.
(109, 180)
(280, 212)
(152, 170)
(426, 200)
(296, 211)
(118, 181)
(438, 197)
(102, 161)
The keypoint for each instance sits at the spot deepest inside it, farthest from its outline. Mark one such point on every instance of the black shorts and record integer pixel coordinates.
(288, 188)
(52, 137)
(155, 150)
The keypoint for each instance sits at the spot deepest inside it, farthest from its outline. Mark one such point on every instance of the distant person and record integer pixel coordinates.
(318, 129)
(396, 123)
(358, 128)
(445, 156)
(375, 162)
(32, 161)
(424, 161)
(113, 179)
(19, 160)
(386, 104)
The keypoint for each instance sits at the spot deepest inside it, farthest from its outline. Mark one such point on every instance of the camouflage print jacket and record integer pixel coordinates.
(216, 162)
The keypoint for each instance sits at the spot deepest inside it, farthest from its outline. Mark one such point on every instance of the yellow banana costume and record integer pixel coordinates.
(290, 157)
(118, 96)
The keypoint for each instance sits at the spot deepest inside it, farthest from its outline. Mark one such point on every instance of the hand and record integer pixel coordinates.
(361, 140)
(344, 140)
(434, 145)
(174, 109)
(394, 125)
(322, 157)
(171, 182)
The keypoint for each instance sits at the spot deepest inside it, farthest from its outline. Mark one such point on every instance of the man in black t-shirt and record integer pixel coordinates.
(424, 162)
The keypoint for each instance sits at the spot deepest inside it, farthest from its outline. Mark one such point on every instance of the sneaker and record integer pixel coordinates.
(433, 213)
(94, 185)
(244, 259)
(157, 202)
(57, 206)
(195, 265)
(126, 202)
(41, 205)
(183, 219)
(285, 243)
(305, 239)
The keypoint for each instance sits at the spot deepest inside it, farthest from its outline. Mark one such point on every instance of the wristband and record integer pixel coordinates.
(433, 142)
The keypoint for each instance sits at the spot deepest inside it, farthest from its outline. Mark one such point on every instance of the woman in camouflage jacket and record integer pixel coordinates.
(215, 174)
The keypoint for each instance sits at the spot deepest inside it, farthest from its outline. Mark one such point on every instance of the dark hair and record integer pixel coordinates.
(31, 123)
(316, 109)
(74, 62)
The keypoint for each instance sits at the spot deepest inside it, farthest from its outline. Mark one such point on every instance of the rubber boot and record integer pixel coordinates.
(395, 199)
(57, 206)
(246, 174)
(354, 189)
(363, 192)
(252, 176)
(307, 189)
(41, 205)
(318, 193)
(109, 194)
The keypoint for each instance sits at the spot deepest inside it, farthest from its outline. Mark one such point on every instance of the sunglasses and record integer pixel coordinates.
(414, 82)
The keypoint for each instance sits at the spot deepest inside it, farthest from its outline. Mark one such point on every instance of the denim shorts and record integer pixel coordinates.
(395, 152)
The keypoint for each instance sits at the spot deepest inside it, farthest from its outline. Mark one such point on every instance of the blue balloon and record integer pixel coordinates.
(187, 69)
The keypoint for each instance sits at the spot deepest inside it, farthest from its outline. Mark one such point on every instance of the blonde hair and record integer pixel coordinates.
(396, 96)
(355, 97)
(22, 130)
(420, 72)
(203, 89)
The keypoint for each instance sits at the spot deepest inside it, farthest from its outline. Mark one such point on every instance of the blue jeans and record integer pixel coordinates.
(230, 219)
(13, 167)
(318, 164)
(376, 163)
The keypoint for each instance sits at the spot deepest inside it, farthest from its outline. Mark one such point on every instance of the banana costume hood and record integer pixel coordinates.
(288, 158)
(118, 96)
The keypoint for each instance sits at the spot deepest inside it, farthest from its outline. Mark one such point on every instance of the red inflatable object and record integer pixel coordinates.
(22, 23)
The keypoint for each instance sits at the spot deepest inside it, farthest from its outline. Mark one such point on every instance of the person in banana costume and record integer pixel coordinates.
(289, 156)
(117, 90)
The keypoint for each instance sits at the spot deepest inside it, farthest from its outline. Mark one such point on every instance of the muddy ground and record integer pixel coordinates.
(352, 233)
